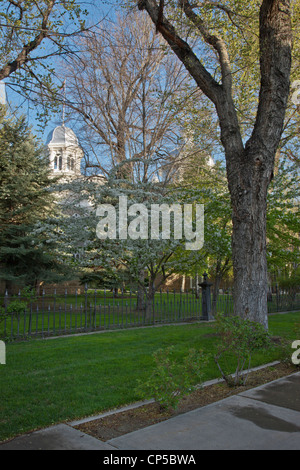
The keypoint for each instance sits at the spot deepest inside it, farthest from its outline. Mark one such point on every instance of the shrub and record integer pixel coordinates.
(172, 379)
(239, 338)
(18, 306)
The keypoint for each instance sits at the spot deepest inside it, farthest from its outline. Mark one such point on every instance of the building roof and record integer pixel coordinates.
(62, 135)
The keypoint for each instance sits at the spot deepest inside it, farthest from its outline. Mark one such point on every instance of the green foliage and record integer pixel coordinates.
(171, 379)
(24, 174)
(240, 338)
(28, 293)
(18, 304)
(283, 222)
(16, 307)
(209, 186)
(26, 245)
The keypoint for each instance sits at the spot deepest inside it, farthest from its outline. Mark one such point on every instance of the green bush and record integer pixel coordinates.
(172, 379)
(239, 339)
(17, 306)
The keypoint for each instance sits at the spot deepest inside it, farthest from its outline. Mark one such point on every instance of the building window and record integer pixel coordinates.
(72, 164)
(60, 162)
(68, 164)
(55, 163)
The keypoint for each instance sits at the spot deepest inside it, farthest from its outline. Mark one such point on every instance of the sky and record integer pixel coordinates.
(97, 10)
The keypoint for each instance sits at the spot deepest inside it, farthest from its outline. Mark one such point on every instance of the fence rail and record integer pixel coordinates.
(52, 315)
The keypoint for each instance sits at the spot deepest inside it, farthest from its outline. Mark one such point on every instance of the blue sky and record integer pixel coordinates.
(97, 9)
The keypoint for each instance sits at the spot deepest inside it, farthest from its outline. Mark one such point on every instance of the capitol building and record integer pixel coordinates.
(65, 153)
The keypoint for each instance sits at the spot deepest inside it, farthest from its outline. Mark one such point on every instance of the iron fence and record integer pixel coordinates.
(94, 310)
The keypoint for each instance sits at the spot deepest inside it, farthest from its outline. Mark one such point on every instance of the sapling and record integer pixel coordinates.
(240, 338)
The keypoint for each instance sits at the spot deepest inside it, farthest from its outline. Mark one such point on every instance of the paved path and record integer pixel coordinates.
(264, 418)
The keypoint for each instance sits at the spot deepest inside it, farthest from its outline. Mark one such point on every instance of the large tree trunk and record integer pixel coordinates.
(249, 204)
(250, 171)
(249, 166)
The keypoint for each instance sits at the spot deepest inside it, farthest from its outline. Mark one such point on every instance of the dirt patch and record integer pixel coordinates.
(121, 423)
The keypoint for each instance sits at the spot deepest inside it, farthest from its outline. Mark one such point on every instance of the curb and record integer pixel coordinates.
(146, 402)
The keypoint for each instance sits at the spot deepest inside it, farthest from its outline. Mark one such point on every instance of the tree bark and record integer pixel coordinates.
(215, 294)
(141, 304)
(248, 196)
(150, 302)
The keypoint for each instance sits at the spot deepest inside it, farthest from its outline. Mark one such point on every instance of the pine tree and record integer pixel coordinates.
(25, 201)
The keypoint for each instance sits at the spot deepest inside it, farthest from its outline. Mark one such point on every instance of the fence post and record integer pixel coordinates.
(85, 305)
(5, 310)
(206, 298)
(277, 298)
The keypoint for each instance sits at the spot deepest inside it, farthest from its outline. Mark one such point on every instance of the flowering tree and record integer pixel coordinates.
(146, 251)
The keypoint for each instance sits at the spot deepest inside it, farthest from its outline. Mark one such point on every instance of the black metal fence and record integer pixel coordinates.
(51, 315)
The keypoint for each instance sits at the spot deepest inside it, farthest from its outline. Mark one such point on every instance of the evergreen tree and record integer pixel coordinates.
(25, 201)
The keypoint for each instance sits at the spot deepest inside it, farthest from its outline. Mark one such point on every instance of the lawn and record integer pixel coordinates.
(50, 381)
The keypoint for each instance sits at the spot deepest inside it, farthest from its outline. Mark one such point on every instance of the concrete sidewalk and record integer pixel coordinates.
(264, 418)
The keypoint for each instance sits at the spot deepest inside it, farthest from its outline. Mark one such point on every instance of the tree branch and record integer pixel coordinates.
(203, 78)
(275, 63)
(23, 55)
(216, 42)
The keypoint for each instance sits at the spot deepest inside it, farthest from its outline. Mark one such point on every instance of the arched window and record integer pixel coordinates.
(60, 162)
(55, 162)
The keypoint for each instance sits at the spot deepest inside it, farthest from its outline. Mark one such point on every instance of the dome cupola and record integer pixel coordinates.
(65, 153)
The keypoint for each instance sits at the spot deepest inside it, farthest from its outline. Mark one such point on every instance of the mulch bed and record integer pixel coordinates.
(121, 423)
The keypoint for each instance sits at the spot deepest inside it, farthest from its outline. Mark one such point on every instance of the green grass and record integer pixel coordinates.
(50, 381)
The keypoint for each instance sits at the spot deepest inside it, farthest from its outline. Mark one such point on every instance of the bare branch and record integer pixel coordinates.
(216, 42)
(203, 78)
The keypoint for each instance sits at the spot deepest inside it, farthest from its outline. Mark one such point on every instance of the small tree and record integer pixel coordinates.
(137, 256)
(240, 338)
(173, 378)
